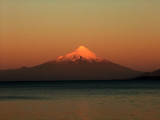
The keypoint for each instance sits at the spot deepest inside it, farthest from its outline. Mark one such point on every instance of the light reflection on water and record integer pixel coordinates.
(103, 100)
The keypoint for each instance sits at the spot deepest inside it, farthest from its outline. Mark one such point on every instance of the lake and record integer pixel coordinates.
(80, 100)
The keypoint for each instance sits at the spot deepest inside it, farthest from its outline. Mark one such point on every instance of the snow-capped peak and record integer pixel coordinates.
(80, 54)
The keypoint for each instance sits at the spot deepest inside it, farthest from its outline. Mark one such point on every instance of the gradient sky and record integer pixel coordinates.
(126, 32)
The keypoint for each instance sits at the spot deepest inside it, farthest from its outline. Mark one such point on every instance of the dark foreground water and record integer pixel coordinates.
(81, 100)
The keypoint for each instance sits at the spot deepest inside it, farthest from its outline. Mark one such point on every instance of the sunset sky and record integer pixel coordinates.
(126, 32)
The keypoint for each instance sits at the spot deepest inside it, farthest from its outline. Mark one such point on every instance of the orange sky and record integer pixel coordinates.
(125, 32)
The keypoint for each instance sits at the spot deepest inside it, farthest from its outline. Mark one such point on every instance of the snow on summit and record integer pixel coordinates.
(81, 53)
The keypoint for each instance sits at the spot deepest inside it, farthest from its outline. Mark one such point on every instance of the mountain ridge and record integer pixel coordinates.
(81, 64)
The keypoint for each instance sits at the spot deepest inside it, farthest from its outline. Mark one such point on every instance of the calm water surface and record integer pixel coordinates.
(81, 100)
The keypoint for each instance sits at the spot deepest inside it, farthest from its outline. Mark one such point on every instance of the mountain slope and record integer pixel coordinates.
(155, 75)
(80, 54)
(82, 64)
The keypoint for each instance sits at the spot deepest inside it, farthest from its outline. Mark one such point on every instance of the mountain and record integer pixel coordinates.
(81, 54)
(155, 75)
(81, 64)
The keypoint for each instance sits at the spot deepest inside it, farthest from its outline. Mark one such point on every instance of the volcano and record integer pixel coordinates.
(81, 64)
(81, 54)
